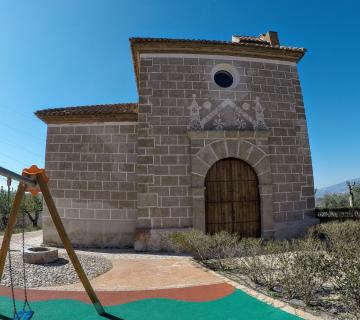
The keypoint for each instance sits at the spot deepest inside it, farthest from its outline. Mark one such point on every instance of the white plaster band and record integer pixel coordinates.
(209, 56)
(76, 124)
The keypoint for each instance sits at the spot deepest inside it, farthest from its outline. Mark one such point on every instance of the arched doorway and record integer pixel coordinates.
(232, 201)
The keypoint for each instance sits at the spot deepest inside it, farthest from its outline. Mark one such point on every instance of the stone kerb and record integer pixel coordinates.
(232, 148)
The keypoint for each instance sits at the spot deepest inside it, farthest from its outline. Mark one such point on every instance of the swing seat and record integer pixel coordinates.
(24, 315)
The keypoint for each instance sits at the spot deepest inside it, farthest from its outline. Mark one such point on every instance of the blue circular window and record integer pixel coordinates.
(223, 79)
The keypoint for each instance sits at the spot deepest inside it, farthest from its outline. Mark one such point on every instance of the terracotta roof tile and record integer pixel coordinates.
(244, 41)
(94, 113)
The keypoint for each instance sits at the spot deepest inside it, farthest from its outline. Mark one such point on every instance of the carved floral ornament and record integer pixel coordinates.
(227, 115)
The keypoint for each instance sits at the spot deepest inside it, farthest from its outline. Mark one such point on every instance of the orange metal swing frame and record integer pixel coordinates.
(40, 181)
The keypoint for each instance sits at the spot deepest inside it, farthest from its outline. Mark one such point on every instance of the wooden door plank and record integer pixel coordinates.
(232, 198)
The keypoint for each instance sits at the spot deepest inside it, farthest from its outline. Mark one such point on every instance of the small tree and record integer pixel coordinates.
(356, 191)
(333, 200)
(5, 206)
(32, 207)
(351, 187)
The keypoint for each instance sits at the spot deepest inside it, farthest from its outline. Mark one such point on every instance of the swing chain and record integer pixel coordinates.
(26, 302)
(23, 314)
(15, 314)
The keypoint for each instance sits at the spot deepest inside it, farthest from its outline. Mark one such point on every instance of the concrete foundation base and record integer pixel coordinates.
(92, 233)
(155, 239)
(122, 234)
(293, 229)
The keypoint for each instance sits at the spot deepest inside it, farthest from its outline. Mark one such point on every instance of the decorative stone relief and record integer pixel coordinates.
(194, 108)
(259, 115)
(228, 115)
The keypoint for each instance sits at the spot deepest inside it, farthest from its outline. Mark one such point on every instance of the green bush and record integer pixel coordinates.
(333, 200)
(30, 209)
(340, 200)
(335, 232)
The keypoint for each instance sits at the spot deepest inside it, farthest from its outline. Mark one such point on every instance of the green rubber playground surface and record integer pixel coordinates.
(237, 305)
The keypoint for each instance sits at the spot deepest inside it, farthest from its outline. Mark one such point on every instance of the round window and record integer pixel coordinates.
(223, 79)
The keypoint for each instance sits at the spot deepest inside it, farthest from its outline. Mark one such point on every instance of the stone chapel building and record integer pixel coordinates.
(217, 141)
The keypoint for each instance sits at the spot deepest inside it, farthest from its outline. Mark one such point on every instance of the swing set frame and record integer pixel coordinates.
(34, 180)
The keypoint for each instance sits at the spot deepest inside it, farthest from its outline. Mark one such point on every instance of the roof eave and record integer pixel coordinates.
(98, 118)
(92, 113)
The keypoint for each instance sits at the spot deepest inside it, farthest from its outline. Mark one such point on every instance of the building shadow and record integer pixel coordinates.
(130, 252)
(106, 315)
(109, 316)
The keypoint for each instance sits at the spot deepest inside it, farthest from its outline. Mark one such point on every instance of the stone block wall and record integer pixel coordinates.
(93, 181)
(171, 86)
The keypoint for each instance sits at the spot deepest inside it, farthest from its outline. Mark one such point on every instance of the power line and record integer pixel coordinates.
(14, 159)
(9, 110)
(23, 131)
(11, 144)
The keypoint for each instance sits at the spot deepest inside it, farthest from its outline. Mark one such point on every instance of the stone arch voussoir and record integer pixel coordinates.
(243, 150)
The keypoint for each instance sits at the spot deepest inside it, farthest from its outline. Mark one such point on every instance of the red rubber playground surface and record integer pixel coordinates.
(109, 298)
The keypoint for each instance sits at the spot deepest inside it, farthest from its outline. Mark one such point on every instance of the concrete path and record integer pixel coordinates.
(149, 274)
(33, 238)
(132, 270)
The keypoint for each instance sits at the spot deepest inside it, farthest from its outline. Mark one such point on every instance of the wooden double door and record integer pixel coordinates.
(232, 200)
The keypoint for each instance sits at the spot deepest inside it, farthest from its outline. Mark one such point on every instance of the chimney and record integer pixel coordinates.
(235, 39)
(272, 37)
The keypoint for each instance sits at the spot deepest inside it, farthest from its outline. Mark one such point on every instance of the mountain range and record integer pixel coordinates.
(335, 188)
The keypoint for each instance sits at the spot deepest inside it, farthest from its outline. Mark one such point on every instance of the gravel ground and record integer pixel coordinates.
(57, 273)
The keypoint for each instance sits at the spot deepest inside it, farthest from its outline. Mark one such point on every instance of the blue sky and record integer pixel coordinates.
(57, 53)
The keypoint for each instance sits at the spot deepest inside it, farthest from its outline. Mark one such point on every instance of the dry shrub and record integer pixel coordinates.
(193, 242)
(301, 269)
(260, 261)
(251, 263)
(222, 249)
(345, 275)
(336, 232)
(214, 250)
(344, 267)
